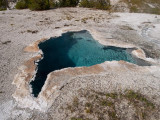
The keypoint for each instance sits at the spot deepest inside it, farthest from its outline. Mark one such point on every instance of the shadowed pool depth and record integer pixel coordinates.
(73, 49)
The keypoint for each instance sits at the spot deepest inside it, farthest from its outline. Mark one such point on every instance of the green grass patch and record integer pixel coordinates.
(144, 6)
(39, 5)
(45, 4)
(22, 4)
(98, 4)
(67, 3)
(99, 104)
(112, 95)
(134, 97)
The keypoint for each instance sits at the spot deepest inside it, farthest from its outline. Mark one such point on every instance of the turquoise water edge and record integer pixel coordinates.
(74, 49)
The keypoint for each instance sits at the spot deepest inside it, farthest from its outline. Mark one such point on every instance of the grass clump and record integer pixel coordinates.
(112, 95)
(22, 4)
(98, 4)
(144, 6)
(33, 4)
(112, 115)
(101, 106)
(88, 104)
(39, 5)
(74, 105)
(45, 4)
(107, 103)
(53, 4)
(68, 3)
(75, 102)
(88, 108)
(135, 97)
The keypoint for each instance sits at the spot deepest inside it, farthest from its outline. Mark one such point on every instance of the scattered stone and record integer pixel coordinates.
(32, 31)
(6, 42)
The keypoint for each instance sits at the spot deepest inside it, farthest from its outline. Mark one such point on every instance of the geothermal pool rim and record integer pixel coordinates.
(44, 101)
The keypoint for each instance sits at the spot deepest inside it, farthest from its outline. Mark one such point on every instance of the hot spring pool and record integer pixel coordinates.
(74, 49)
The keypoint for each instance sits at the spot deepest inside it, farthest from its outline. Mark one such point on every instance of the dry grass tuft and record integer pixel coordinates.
(143, 6)
(95, 105)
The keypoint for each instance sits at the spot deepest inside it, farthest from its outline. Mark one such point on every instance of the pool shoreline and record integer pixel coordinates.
(44, 94)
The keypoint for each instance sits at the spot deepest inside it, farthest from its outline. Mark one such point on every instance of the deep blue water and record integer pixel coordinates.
(73, 49)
